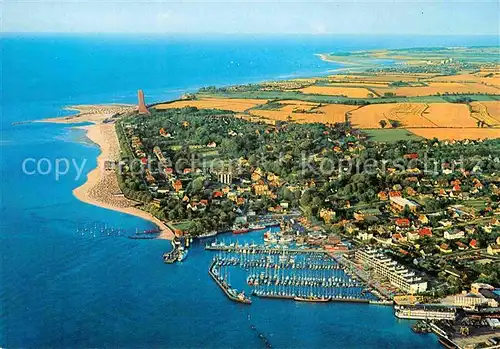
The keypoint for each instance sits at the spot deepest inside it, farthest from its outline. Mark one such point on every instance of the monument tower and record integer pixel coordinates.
(141, 106)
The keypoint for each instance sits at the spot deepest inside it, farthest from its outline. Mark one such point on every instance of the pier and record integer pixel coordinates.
(260, 249)
(176, 254)
(313, 300)
(231, 293)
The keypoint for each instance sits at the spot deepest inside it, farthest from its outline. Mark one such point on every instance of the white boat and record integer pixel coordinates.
(253, 227)
(208, 234)
(182, 254)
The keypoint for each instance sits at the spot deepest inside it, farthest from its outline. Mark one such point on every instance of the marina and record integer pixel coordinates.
(292, 273)
(222, 280)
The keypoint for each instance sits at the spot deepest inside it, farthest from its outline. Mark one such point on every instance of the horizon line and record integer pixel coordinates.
(242, 33)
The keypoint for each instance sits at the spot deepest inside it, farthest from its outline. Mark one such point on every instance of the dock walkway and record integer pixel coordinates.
(225, 287)
(263, 249)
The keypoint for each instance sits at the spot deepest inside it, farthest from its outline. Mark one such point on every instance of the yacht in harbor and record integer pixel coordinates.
(208, 234)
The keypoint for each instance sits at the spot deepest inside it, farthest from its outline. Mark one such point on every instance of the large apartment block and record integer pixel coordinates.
(397, 274)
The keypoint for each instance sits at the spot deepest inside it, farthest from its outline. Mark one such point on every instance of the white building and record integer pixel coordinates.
(425, 313)
(473, 300)
(454, 235)
(225, 177)
(400, 203)
(397, 274)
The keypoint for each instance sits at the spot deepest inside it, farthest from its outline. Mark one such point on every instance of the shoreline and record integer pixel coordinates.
(101, 186)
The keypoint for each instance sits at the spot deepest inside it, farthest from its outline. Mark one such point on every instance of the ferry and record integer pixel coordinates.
(208, 234)
(241, 230)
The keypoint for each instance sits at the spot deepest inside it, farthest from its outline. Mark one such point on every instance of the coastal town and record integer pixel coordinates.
(324, 211)
(265, 174)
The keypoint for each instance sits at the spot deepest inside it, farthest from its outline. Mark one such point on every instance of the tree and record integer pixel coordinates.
(306, 198)
(197, 185)
(383, 123)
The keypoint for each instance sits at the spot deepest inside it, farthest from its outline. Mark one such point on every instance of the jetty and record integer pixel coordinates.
(177, 253)
(261, 249)
(312, 300)
(231, 293)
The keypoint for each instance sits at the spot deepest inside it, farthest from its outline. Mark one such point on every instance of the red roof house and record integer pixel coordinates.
(402, 222)
(425, 232)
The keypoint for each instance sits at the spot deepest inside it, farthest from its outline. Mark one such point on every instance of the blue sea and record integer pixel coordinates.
(60, 289)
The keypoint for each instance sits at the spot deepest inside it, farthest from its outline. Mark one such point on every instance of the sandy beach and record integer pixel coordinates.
(101, 188)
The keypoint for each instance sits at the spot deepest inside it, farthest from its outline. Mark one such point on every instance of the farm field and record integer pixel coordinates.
(407, 114)
(442, 88)
(486, 78)
(304, 112)
(331, 90)
(493, 109)
(411, 115)
(233, 104)
(457, 134)
(489, 112)
(450, 115)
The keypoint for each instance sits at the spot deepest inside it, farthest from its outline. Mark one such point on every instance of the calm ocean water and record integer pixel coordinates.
(61, 289)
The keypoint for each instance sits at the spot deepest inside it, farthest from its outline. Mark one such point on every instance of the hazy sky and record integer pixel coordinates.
(476, 17)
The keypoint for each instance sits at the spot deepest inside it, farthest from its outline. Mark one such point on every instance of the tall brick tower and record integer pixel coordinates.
(141, 104)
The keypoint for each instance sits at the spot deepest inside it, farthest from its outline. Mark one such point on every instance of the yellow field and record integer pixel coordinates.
(458, 78)
(236, 105)
(408, 114)
(369, 116)
(298, 111)
(435, 88)
(489, 112)
(412, 115)
(450, 115)
(493, 108)
(353, 92)
(491, 79)
(332, 113)
(457, 134)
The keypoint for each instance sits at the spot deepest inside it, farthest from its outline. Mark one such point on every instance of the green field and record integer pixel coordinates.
(182, 225)
(391, 135)
(475, 204)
